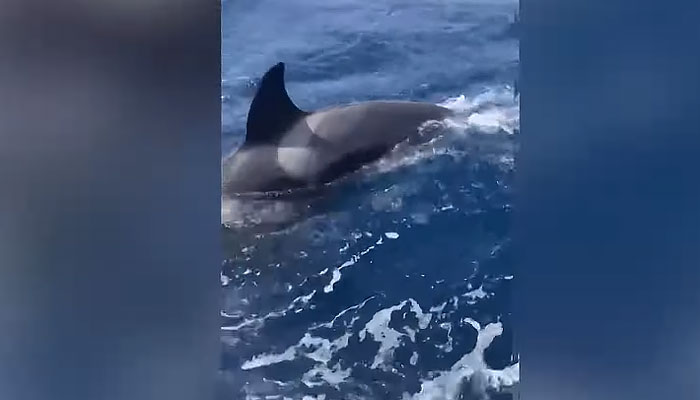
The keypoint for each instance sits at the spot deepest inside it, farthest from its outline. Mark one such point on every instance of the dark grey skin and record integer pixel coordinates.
(287, 148)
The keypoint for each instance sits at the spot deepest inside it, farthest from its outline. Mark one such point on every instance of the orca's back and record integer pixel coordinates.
(369, 124)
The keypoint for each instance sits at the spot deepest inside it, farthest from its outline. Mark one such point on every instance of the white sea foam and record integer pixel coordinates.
(444, 385)
(476, 295)
(330, 323)
(224, 279)
(493, 110)
(238, 213)
(264, 359)
(447, 347)
(318, 349)
(321, 375)
(319, 397)
(294, 304)
(447, 385)
(337, 274)
(389, 339)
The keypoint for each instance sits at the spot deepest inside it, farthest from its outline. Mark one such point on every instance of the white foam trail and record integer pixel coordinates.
(269, 359)
(388, 338)
(337, 275)
(402, 159)
(247, 212)
(447, 347)
(224, 279)
(476, 294)
(307, 397)
(442, 385)
(378, 327)
(438, 309)
(354, 259)
(340, 314)
(319, 375)
(491, 111)
(297, 302)
(447, 385)
(322, 353)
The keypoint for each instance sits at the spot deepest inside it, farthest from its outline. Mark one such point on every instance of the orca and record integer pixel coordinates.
(287, 148)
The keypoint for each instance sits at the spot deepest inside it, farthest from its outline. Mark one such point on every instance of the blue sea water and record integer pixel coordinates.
(399, 287)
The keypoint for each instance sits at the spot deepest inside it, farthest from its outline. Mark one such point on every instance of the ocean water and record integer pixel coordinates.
(398, 285)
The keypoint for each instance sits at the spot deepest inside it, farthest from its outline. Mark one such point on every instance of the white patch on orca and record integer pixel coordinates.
(296, 156)
(299, 162)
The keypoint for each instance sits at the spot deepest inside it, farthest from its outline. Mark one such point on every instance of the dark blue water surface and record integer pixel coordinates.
(399, 288)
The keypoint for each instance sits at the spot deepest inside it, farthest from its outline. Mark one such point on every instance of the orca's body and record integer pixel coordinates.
(287, 148)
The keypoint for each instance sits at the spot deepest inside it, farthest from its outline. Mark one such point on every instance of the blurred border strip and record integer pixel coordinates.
(607, 223)
(110, 199)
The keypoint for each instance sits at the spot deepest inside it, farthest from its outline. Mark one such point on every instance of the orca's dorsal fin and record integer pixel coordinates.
(272, 112)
